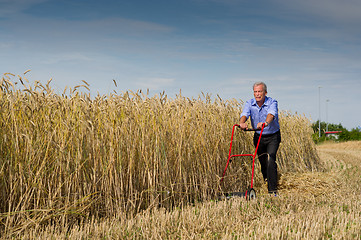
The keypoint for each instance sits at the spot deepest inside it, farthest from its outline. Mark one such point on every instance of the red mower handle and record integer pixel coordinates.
(239, 155)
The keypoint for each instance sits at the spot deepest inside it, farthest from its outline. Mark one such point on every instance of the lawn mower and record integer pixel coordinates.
(250, 193)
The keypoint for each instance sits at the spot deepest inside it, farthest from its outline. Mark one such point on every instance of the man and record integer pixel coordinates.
(264, 110)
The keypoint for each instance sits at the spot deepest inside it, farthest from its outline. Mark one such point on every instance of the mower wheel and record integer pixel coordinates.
(251, 194)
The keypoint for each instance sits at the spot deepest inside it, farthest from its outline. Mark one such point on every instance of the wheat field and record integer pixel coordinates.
(311, 205)
(128, 165)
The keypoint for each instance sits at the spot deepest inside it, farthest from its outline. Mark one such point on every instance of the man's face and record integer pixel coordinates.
(259, 93)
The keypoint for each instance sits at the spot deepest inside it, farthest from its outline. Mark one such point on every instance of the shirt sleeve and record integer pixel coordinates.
(246, 110)
(273, 109)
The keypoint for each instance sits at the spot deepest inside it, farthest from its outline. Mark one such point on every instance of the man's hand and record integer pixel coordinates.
(242, 123)
(243, 126)
(259, 125)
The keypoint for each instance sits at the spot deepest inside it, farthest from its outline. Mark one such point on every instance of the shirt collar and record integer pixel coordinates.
(254, 102)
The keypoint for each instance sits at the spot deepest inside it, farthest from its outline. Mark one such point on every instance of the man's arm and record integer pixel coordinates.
(244, 116)
(242, 122)
(269, 119)
(272, 112)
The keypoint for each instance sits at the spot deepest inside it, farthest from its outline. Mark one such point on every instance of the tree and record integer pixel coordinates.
(345, 135)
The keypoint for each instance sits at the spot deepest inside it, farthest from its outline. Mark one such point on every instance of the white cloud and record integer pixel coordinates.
(9, 8)
(155, 83)
(66, 57)
(337, 11)
(5, 45)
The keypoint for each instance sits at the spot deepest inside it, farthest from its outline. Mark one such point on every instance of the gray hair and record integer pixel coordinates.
(260, 83)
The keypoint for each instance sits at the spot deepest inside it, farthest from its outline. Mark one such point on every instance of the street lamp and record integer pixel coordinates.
(319, 112)
(327, 114)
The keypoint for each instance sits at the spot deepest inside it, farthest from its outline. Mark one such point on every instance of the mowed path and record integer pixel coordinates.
(334, 154)
(337, 158)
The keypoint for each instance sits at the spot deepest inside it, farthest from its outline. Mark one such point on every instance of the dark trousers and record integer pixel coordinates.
(266, 152)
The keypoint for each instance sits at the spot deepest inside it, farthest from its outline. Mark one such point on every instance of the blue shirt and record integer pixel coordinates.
(259, 114)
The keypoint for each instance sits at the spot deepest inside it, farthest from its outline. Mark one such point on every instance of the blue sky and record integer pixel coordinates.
(211, 46)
